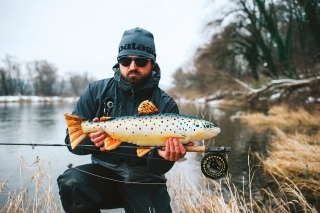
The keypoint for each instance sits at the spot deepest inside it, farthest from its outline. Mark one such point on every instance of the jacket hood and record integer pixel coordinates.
(143, 88)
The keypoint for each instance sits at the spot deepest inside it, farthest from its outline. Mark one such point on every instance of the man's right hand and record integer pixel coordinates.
(98, 137)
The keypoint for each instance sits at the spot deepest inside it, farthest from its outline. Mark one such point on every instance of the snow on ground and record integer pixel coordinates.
(6, 99)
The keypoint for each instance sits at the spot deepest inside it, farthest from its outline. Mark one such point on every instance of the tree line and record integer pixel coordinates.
(256, 41)
(39, 78)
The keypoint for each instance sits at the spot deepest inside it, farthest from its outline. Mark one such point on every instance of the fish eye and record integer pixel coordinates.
(207, 126)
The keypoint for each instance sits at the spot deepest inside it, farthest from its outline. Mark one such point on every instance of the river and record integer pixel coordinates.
(43, 123)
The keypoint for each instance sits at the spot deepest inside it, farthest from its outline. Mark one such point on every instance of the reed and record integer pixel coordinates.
(293, 152)
(222, 196)
(35, 195)
(287, 119)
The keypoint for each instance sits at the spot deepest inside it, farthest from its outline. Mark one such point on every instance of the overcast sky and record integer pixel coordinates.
(83, 35)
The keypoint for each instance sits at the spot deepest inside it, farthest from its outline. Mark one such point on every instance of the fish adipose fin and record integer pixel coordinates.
(111, 143)
(147, 107)
(141, 152)
(74, 129)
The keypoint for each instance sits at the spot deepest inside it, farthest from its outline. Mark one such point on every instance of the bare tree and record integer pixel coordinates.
(79, 82)
(10, 77)
(44, 76)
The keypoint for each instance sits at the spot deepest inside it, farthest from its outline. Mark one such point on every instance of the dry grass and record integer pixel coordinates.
(284, 118)
(223, 197)
(36, 195)
(293, 154)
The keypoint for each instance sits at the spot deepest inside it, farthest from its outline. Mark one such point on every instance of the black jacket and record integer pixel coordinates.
(125, 98)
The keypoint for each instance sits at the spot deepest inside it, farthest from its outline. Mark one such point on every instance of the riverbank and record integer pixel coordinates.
(292, 156)
(35, 99)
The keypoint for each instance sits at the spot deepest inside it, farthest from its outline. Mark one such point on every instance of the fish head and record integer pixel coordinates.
(203, 129)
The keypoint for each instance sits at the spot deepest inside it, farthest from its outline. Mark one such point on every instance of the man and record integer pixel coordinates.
(119, 178)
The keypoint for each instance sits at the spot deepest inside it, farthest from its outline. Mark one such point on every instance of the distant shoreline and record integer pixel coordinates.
(33, 99)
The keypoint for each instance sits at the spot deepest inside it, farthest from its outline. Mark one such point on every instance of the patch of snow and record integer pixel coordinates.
(214, 103)
(310, 100)
(23, 98)
(200, 100)
(275, 96)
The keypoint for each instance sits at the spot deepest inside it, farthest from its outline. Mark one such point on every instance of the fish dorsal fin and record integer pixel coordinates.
(147, 107)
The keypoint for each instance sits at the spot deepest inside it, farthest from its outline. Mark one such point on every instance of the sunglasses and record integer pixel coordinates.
(140, 61)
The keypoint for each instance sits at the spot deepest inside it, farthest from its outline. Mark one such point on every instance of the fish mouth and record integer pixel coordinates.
(217, 130)
(213, 132)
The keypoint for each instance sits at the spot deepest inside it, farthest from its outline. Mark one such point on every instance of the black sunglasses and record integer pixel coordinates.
(140, 61)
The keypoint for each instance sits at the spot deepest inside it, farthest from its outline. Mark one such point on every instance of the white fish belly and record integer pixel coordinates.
(145, 131)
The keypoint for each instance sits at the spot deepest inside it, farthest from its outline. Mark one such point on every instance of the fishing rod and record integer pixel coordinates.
(213, 165)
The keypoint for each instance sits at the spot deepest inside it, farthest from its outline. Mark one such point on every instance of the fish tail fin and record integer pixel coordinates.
(74, 127)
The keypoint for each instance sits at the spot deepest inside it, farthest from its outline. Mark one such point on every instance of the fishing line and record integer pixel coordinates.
(120, 181)
(92, 147)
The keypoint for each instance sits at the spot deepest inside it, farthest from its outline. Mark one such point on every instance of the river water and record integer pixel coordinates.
(43, 123)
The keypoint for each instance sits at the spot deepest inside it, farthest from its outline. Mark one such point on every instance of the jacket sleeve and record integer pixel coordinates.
(84, 108)
(155, 162)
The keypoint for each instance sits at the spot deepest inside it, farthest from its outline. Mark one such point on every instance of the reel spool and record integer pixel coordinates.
(214, 166)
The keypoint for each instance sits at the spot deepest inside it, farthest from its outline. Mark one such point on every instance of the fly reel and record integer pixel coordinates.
(214, 166)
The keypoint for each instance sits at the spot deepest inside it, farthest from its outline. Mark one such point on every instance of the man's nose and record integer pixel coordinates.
(133, 65)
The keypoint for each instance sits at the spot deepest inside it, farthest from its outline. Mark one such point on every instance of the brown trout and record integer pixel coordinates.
(144, 129)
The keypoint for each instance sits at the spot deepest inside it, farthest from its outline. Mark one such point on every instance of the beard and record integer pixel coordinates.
(138, 78)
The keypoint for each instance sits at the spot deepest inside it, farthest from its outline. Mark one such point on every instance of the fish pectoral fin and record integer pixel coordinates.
(147, 107)
(142, 151)
(111, 143)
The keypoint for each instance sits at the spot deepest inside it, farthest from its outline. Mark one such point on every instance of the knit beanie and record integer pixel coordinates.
(139, 42)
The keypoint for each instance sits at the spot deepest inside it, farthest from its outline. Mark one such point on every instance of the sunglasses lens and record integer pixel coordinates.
(125, 61)
(140, 62)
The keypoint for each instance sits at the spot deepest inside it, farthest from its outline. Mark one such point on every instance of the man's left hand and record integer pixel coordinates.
(174, 150)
